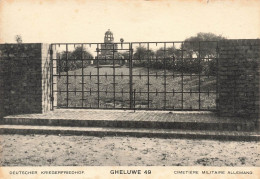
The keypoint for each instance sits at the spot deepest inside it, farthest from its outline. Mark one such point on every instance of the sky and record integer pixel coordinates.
(85, 21)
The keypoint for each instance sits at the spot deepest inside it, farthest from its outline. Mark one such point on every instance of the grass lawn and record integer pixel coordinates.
(175, 84)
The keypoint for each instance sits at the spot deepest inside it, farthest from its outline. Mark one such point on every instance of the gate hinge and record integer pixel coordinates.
(52, 98)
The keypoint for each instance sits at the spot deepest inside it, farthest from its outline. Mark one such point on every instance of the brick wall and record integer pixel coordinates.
(24, 78)
(238, 78)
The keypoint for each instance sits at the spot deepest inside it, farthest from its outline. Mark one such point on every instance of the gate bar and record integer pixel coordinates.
(51, 70)
(82, 78)
(67, 69)
(182, 46)
(131, 76)
(98, 73)
(199, 74)
(148, 77)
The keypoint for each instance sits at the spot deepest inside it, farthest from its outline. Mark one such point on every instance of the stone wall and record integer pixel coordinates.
(24, 78)
(238, 78)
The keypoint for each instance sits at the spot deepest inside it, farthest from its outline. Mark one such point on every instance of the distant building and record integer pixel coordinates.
(109, 50)
(108, 46)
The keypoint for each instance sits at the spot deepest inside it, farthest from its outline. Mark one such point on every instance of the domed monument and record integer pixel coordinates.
(108, 37)
(108, 46)
(108, 54)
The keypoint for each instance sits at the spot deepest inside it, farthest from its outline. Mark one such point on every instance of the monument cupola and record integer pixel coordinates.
(108, 37)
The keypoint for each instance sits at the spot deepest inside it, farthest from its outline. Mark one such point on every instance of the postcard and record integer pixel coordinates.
(129, 89)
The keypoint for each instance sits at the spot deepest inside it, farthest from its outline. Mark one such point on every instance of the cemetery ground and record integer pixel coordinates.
(190, 85)
(59, 150)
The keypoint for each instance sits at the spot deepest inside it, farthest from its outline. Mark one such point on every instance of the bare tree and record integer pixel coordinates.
(18, 39)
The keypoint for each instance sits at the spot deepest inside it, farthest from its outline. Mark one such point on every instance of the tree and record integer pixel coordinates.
(202, 45)
(80, 53)
(142, 55)
(165, 58)
(164, 53)
(75, 59)
(125, 55)
(18, 39)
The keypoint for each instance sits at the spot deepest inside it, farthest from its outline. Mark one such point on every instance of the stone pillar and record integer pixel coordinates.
(24, 78)
(46, 77)
(55, 72)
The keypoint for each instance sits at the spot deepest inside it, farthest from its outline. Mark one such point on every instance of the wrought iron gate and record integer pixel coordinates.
(137, 75)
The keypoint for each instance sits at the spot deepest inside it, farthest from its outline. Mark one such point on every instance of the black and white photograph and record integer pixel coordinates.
(121, 84)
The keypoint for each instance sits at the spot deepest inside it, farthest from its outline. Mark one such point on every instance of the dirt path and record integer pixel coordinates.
(41, 150)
